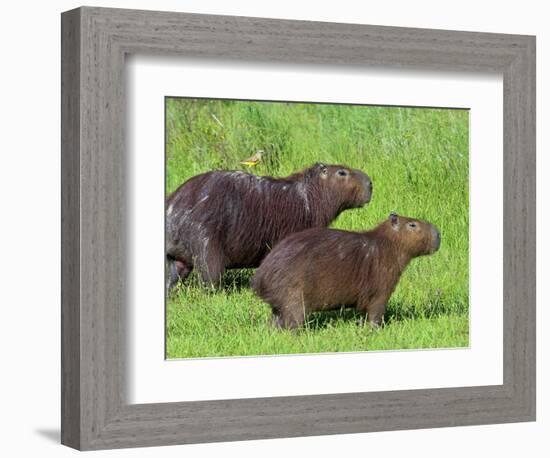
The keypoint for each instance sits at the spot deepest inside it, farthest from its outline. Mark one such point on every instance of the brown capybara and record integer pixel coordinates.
(225, 219)
(323, 269)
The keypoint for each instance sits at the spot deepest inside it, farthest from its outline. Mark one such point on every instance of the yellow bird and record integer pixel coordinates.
(254, 159)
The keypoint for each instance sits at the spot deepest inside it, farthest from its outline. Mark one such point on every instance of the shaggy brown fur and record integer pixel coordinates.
(323, 269)
(224, 219)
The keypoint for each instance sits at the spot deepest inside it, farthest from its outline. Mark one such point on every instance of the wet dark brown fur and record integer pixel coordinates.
(323, 269)
(224, 219)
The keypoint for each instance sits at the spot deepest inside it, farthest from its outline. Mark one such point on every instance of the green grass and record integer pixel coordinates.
(418, 161)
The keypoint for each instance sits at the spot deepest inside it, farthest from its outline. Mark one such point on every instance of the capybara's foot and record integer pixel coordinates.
(376, 323)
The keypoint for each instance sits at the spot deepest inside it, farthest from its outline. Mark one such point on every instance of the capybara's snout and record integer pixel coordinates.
(366, 184)
(368, 188)
(436, 239)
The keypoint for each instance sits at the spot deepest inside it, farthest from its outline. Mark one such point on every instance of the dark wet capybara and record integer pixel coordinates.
(323, 269)
(224, 219)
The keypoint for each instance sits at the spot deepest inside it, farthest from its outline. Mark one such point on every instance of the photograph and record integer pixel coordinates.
(305, 227)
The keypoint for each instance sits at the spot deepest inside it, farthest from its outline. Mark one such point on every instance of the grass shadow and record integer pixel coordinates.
(399, 311)
(235, 280)
(394, 313)
(325, 319)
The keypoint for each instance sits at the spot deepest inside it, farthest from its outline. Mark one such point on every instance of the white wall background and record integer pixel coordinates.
(29, 228)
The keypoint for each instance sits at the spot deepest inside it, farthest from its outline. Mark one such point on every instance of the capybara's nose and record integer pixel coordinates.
(368, 187)
(436, 238)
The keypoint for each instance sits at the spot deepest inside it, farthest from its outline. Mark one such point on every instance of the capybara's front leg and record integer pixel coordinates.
(288, 317)
(374, 308)
(375, 313)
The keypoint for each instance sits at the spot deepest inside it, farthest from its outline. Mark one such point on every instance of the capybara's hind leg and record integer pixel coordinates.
(212, 265)
(183, 269)
(177, 270)
(172, 276)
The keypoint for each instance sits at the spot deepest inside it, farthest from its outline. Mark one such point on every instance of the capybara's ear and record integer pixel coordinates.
(321, 167)
(394, 219)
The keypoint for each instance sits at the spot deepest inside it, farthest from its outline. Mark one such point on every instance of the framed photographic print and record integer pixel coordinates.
(285, 228)
(412, 156)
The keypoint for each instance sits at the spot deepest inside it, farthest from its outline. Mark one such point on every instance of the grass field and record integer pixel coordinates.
(417, 159)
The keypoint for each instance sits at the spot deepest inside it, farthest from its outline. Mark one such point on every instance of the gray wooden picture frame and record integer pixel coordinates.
(95, 412)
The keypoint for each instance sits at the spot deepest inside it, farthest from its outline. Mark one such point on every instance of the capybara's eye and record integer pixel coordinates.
(342, 172)
(413, 225)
